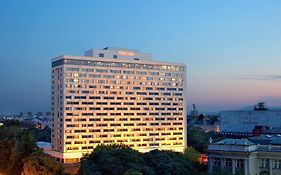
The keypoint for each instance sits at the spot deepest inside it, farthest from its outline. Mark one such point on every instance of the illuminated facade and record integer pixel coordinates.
(116, 96)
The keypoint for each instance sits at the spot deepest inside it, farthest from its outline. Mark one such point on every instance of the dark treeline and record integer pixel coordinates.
(20, 155)
(199, 139)
(122, 160)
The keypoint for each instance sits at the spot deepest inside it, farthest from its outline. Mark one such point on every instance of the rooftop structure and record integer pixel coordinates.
(116, 53)
(238, 142)
(266, 139)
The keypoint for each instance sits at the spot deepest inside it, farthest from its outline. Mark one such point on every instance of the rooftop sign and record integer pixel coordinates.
(126, 53)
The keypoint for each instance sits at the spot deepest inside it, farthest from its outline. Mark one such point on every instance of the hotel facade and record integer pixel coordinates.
(116, 95)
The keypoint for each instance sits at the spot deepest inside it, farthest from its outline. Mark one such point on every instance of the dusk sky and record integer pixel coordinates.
(232, 49)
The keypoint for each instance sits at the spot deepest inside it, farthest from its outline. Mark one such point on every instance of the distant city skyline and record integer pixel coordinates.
(232, 49)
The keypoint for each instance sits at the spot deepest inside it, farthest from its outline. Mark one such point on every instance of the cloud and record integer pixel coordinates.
(269, 77)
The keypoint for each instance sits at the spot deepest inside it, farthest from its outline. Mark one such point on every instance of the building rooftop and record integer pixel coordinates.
(262, 144)
(118, 53)
(114, 54)
(43, 144)
(265, 139)
(240, 142)
(252, 111)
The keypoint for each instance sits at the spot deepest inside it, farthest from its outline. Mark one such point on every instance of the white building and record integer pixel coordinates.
(115, 95)
(244, 121)
(241, 156)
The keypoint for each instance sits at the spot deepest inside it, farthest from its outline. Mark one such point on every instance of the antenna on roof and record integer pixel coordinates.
(260, 107)
(194, 107)
(210, 140)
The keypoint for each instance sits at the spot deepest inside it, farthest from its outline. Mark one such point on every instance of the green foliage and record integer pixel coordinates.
(199, 140)
(5, 152)
(221, 173)
(38, 163)
(191, 154)
(13, 126)
(24, 146)
(132, 172)
(18, 150)
(169, 163)
(122, 160)
(114, 160)
(8, 133)
(41, 134)
(9, 123)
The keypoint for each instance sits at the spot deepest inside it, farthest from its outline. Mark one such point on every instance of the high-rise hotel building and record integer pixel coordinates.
(115, 95)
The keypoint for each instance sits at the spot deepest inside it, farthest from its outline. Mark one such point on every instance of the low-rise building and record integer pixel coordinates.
(245, 157)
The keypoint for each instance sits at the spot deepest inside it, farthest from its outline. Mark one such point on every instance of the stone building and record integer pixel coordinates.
(241, 156)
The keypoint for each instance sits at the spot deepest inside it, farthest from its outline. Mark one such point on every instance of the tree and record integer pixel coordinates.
(38, 164)
(132, 172)
(191, 154)
(169, 163)
(113, 160)
(24, 146)
(20, 155)
(122, 160)
(9, 123)
(41, 134)
(5, 152)
(199, 140)
(9, 133)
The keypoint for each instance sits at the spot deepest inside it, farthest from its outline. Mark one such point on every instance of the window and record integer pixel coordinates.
(227, 162)
(217, 162)
(275, 164)
(240, 163)
(123, 65)
(101, 55)
(115, 56)
(264, 163)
